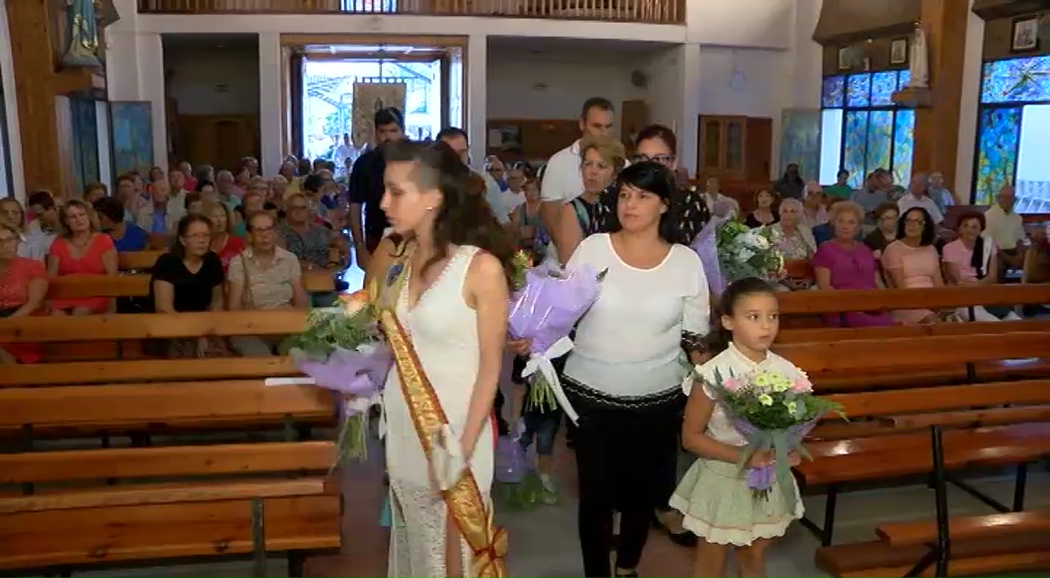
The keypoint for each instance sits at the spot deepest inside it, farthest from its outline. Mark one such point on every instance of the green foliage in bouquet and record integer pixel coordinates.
(329, 327)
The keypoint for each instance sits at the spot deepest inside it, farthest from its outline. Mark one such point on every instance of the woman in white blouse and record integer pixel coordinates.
(624, 375)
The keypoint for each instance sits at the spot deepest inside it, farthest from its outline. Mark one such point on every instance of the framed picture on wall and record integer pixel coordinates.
(899, 51)
(1025, 34)
(845, 58)
(131, 134)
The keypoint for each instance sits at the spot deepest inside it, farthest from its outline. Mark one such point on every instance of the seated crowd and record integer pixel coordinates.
(229, 243)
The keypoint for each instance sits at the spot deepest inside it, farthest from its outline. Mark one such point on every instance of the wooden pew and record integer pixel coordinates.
(952, 297)
(880, 444)
(137, 285)
(138, 261)
(84, 507)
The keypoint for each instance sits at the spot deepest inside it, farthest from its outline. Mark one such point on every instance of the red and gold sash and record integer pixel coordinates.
(470, 511)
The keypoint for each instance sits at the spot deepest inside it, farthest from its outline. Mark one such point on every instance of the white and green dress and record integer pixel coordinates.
(713, 496)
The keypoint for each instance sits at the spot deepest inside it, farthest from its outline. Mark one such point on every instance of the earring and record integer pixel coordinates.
(430, 208)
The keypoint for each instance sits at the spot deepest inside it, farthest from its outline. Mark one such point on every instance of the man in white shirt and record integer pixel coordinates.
(456, 139)
(939, 193)
(343, 151)
(720, 206)
(916, 197)
(42, 231)
(1006, 228)
(562, 179)
(514, 196)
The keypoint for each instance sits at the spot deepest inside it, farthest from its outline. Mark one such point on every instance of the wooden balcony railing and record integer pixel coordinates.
(650, 11)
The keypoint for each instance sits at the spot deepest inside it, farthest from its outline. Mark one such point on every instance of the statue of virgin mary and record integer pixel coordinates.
(919, 64)
(82, 32)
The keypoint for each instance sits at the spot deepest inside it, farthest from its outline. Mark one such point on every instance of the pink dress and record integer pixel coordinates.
(919, 266)
(88, 263)
(851, 268)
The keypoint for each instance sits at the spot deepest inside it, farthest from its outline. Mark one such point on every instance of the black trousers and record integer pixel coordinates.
(622, 451)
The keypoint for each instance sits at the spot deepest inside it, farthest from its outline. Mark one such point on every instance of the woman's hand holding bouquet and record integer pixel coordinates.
(547, 304)
(343, 350)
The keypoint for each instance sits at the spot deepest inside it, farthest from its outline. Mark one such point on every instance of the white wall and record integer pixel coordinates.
(135, 72)
(971, 93)
(209, 79)
(741, 23)
(268, 99)
(527, 86)
(14, 138)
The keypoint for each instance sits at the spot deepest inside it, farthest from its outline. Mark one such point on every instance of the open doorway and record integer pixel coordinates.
(335, 90)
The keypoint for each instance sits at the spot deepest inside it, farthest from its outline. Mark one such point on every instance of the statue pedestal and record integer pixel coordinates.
(911, 97)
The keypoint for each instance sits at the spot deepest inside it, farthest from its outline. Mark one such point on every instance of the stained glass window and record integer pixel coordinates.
(834, 91)
(903, 141)
(855, 145)
(880, 139)
(882, 86)
(1016, 80)
(905, 78)
(999, 131)
(858, 90)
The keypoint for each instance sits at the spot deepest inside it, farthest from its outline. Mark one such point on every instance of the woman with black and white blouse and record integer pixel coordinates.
(624, 374)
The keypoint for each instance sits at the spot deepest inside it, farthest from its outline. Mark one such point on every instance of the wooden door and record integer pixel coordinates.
(709, 151)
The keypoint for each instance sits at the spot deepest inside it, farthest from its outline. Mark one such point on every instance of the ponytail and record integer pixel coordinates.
(719, 338)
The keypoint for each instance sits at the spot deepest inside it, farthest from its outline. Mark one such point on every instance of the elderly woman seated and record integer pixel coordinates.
(795, 240)
(845, 263)
(972, 259)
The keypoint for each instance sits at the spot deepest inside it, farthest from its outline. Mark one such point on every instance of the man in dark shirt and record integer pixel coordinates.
(366, 186)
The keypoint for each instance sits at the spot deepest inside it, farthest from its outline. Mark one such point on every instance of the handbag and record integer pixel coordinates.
(247, 301)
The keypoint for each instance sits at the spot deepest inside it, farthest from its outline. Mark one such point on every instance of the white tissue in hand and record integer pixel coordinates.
(446, 457)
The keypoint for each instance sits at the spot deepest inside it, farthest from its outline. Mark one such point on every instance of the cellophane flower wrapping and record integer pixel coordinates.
(343, 350)
(517, 484)
(705, 245)
(746, 252)
(774, 412)
(544, 310)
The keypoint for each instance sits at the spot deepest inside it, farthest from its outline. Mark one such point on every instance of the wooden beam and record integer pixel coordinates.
(937, 127)
(30, 28)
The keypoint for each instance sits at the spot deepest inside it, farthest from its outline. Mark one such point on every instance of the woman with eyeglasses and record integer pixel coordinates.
(658, 143)
(912, 262)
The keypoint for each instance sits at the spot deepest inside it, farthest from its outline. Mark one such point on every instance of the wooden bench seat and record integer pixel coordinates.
(987, 421)
(966, 528)
(177, 498)
(876, 559)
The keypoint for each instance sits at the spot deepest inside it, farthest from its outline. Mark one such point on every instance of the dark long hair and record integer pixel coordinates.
(719, 338)
(659, 180)
(929, 232)
(463, 218)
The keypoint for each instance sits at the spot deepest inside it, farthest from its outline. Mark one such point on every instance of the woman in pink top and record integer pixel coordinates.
(971, 260)
(911, 262)
(81, 250)
(846, 263)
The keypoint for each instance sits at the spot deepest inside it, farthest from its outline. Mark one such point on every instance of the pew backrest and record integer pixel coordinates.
(839, 301)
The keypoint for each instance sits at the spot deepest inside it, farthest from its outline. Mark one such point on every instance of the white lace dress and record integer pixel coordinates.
(443, 330)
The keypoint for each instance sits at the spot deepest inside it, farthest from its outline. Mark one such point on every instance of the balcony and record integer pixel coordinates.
(645, 11)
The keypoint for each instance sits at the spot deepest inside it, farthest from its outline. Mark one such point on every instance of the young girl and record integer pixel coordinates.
(713, 496)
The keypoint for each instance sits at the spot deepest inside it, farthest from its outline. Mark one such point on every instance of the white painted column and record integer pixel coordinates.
(135, 72)
(962, 184)
(271, 113)
(689, 71)
(477, 96)
(11, 125)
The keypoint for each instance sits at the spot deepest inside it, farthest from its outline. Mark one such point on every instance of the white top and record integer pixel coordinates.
(910, 201)
(1006, 229)
(493, 196)
(629, 343)
(36, 243)
(563, 179)
(511, 200)
(444, 332)
(720, 202)
(732, 362)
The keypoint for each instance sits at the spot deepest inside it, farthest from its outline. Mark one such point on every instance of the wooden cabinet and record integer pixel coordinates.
(734, 147)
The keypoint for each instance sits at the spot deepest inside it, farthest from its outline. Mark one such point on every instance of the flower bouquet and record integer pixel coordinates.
(544, 309)
(774, 412)
(746, 252)
(343, 350)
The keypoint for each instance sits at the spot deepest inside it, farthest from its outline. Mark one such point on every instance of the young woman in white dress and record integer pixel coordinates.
(453, 306)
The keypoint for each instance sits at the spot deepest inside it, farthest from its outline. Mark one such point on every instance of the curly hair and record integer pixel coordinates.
(464, 217)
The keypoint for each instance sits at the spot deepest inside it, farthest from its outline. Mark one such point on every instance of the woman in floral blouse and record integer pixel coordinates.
(795, 240)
